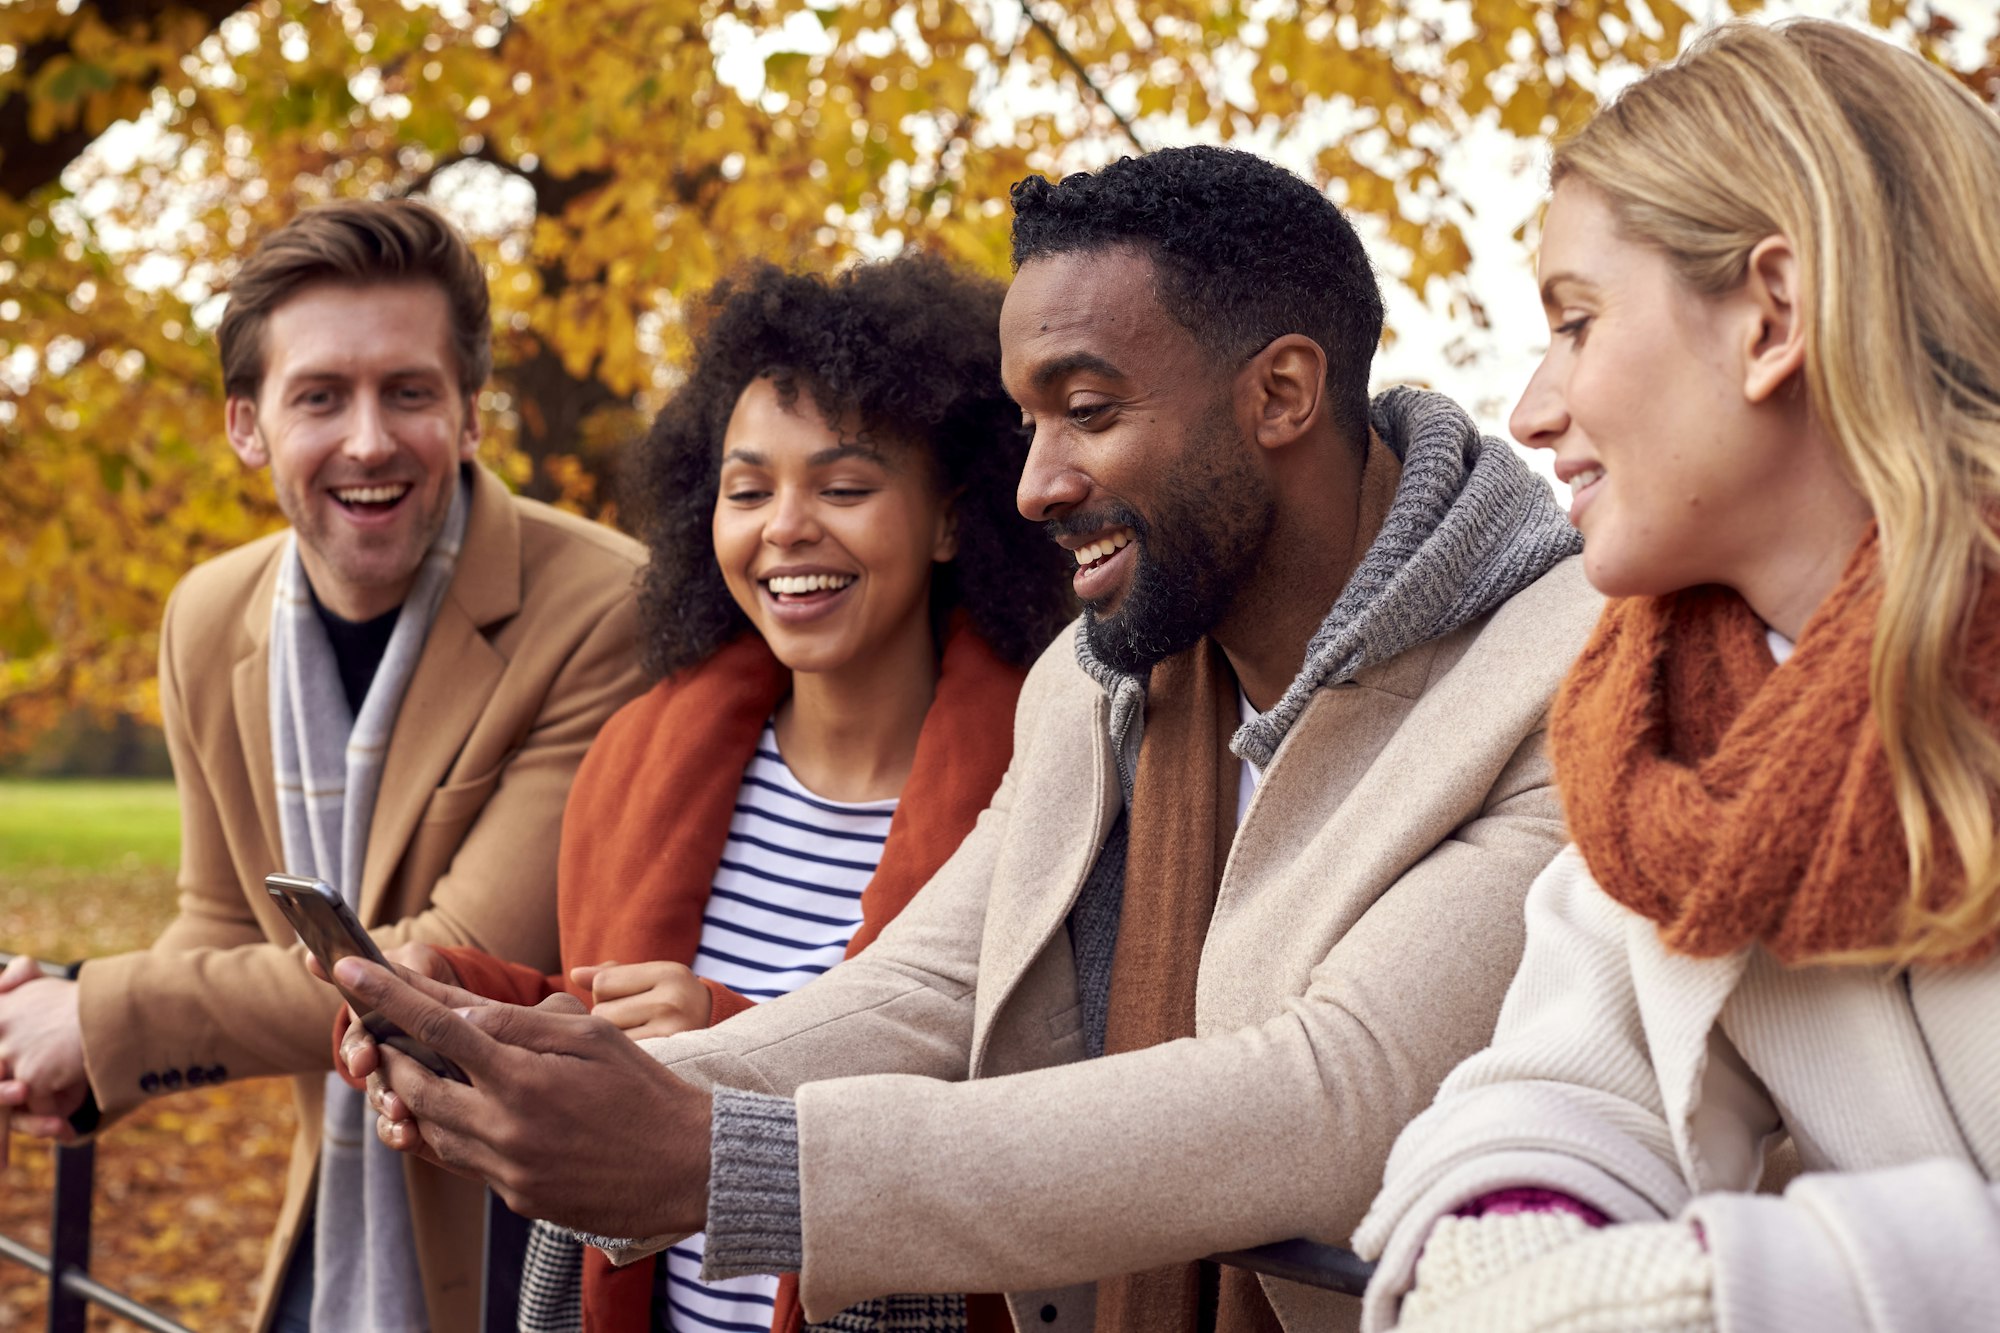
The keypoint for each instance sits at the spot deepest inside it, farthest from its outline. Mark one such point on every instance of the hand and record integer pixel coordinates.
(41, 1052)
(646, 999)
(565, 1118)
(354, 1050)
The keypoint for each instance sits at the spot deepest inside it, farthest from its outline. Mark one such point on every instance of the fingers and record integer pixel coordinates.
(562, 1002)
(21, 969)
(614, 982)
(651, 1011)
(6, 1122)
(558, 1025)
(431, 1117)
(358, 1057)
(312, 966)
(424, 961)
(423, 1008)
(585, 976)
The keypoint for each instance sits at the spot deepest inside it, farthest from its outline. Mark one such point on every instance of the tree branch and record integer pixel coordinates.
(1064, 54)
(28, 163)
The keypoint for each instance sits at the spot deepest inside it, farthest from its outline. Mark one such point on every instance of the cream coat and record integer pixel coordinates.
(1649, 1084)
(1368, 920)
(533, 647)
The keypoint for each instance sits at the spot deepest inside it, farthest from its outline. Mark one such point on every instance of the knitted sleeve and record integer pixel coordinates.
(753, 1187)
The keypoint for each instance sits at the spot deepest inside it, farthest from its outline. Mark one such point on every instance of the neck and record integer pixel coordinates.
(1307, 560)
(851, 734)
(346, 600)
(1811, 535)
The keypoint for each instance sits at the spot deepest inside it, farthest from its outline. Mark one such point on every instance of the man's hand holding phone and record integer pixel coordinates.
(355, 1053)
(565, 1117)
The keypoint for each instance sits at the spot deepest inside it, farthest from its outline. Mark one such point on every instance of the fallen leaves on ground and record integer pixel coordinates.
(187, 1187)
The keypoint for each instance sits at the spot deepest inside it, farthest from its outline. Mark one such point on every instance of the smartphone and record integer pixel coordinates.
(332, 932)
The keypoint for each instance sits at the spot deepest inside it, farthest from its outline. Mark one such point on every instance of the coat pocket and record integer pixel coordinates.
(457, 802)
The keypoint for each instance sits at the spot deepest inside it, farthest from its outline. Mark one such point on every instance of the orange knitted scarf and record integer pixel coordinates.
(1735, 801)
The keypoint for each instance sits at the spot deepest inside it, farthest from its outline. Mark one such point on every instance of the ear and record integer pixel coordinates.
(468, 443)
(1776, 349)
(1287, 386)
(239, 421)
(944, 541)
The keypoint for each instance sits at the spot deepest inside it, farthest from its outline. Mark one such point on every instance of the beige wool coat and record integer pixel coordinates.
(953, 1137)
(534, 645)
(1650, 1085)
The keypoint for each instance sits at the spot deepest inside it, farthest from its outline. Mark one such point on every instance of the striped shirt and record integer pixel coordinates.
(785, 902)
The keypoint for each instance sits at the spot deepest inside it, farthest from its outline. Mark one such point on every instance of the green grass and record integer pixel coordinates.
(88, 826)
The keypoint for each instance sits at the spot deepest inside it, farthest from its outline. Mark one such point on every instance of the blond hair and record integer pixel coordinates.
(1882, 172)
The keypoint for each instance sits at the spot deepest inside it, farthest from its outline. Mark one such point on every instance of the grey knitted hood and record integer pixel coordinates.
(1470, 526)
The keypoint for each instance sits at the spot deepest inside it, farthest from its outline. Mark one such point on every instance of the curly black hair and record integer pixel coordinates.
(910, 347)
(1244, 251)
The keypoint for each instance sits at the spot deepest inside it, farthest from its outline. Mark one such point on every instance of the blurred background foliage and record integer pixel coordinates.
(612, 158)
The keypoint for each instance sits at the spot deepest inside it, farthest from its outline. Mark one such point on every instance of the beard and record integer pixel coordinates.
(1212, 517)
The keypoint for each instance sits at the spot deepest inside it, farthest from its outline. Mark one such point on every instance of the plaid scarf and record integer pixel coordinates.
(328, 766)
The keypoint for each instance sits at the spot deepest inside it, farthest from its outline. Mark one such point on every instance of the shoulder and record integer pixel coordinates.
(567, 549)
(210, 598)
(1057, 678)
(1527, 644)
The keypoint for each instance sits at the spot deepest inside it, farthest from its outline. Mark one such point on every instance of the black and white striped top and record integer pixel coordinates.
(785, 902)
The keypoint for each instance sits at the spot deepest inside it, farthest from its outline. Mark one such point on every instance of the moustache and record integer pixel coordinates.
(1083, 523)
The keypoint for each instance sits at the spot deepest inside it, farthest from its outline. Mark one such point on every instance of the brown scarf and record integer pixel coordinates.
(1734, 801)
(1182, 822)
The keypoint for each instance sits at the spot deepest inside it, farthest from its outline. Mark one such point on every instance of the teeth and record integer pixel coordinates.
(1097, 550)
(1584, 479)
(795, 584)
(366, 495)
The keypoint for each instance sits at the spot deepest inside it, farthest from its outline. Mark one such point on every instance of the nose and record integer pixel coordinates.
(792, 520)
(1540, 419)
(1051, 483)
(368, 440)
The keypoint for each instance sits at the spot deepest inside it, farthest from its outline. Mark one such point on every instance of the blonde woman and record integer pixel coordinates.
(1773, 383)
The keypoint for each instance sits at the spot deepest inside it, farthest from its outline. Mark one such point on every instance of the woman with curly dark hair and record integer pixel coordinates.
(841, 603)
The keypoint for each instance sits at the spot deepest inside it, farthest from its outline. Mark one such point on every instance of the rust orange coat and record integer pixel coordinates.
(644, 832)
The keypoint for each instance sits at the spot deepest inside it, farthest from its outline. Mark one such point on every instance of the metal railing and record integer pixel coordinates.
(72, 1290)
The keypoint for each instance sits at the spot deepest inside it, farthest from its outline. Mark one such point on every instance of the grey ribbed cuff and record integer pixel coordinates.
(753, 1187)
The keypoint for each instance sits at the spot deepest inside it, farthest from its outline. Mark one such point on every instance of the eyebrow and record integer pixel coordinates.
(831, 454)
(1554, 280)
(1064, 366)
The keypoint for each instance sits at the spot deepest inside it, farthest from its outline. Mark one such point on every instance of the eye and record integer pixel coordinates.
(414, 393)
(1573, 328)
(1084, 414)
(848, 493)
(744, 495)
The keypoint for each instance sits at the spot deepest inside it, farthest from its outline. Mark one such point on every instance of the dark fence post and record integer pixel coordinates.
(500, 1284)
(69, 1234)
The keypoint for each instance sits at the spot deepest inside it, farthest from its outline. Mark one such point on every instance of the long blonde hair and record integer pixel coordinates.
(1883, 173)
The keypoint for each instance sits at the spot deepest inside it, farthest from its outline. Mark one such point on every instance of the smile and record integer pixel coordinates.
(370, 499)
(1103, 548)
(803, 585)
(1584, 480)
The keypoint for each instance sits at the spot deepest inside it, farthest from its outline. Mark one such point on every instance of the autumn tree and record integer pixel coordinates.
(611, 158)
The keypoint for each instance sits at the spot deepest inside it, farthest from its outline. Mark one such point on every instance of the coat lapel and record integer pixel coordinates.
(1680, 1001)
(1070, 801)
(250, 687)
(454, 680)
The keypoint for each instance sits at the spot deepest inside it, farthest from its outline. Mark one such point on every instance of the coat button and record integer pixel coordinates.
(171, 1080)
(1048, 1314)
(149, 1083)
(197, 1076)
(217, 1073)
